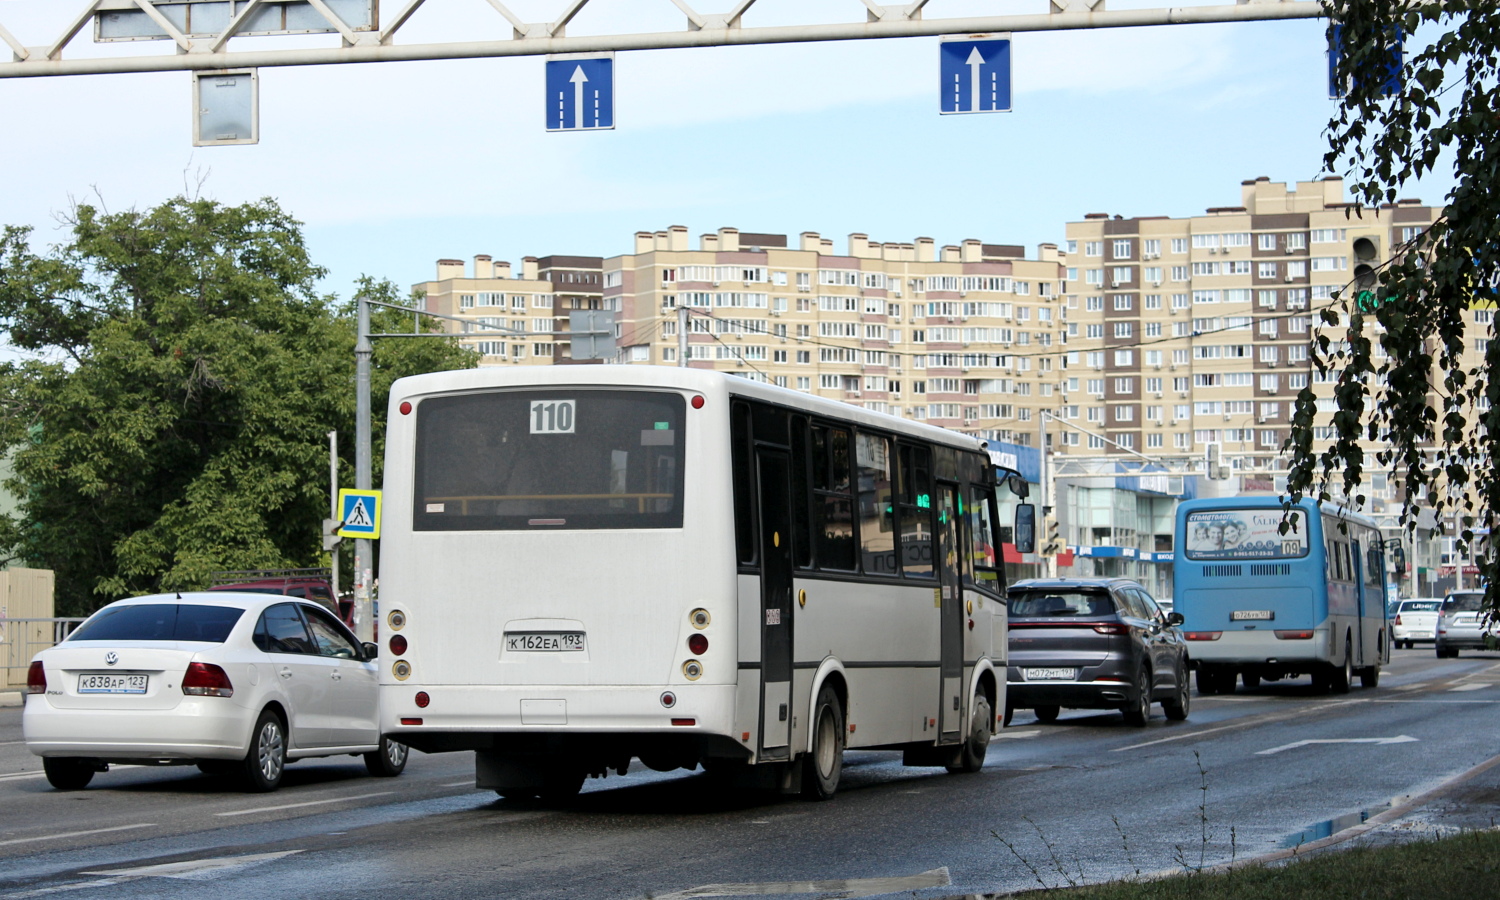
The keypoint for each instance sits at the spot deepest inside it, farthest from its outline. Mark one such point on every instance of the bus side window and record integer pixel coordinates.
(876, 514)
(744, 495)
(914, 512)
(802, 550)
(833, 511)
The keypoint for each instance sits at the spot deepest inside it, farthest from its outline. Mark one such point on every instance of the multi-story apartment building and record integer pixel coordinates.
(531, 306)
(1184, 333)
(964, 336)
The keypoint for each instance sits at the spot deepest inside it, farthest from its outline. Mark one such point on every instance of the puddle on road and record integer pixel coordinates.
(1330, 827)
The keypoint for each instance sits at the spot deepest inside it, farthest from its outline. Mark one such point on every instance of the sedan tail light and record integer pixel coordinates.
(36, 679)
(1398, 619)
(206, 680)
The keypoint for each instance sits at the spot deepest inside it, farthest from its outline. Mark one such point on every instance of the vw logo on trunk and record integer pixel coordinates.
(111, 658)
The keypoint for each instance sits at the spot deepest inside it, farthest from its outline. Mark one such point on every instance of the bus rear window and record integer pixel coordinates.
(1243, 534)
(549, 460)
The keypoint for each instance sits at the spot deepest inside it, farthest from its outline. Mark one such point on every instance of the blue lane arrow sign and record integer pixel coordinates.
(975, 74)
(1387, 72)
(581, 92)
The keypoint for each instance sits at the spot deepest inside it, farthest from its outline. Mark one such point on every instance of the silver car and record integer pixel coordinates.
(1465, 624)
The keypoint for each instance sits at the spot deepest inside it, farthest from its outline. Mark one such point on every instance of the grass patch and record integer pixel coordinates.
(1464, 866)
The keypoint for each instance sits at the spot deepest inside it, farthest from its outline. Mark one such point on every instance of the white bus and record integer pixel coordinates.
(589, 564)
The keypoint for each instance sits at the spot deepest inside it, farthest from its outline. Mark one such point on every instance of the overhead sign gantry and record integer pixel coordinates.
(202, 31)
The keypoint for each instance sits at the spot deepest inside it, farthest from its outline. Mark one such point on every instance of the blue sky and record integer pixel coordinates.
(393, 166)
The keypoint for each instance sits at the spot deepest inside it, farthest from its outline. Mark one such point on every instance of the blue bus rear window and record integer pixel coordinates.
(1243, 534)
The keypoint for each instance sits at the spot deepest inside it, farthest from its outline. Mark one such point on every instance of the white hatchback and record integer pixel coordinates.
(1416, 620)
(238, 684)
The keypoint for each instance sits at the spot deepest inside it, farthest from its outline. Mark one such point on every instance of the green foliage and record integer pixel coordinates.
(1433, 420)
(174, 419)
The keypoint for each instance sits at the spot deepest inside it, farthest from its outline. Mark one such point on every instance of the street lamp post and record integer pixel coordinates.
(364, 564)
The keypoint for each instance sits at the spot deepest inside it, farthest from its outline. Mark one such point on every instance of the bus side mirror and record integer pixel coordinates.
(1025, 528)
(1018, 486)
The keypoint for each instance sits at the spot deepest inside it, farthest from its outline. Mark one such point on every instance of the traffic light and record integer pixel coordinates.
(1052, 542)
(1366, 279)
(331, 537)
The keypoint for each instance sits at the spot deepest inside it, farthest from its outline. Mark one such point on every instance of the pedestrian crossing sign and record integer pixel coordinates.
(360, 511)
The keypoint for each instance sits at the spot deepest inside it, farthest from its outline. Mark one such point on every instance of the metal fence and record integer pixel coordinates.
(21, 639)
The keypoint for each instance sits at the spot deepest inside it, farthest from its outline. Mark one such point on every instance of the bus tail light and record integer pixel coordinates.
(1202, 635)
(410, 721)
(402, 670)
(688, 722)
(1112, 628)
(36, 678)
(398, 645)
(692, 670)
(1294, 635)
(423, 699)
(698, 644)
(206, 680)
(397, 620)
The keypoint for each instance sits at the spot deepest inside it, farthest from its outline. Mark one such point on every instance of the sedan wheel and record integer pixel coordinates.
(66, 773)
(1046, 714)
(265, 762)
(388, 759)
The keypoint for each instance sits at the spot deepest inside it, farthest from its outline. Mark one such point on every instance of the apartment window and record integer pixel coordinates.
(1330, 263)
(1270, 410)
(829, 382)
(1151, 247)
(804, 357)
(1296, 353)
(1072, 246)
(1205, 242)
(1181, 329)
(1179, 357)
(1208, 380)
(1266, 270)
(1151, 301)
(1296, 298)
(1093, 276)
(1182, 441)
(1124, 413)
(1296, 269)
(1237, 267)
(1266, 299)
(1154, 440)
(1179, 245)
(1266, 241)
(1268, 354)
(465, 301)
(1181, 411)
(1123, 302)
(1297, 241)
(1093, 248)
(1237, 239)
(1268, 328)
(1298, 324)
(541, 349)
(1180, 301)
(1096, 386)
(1151, 329)
(1180, 383)
(1094, 359)
(1151, 274)
(1122, 249)
(1124, 357)
(1153, 385)
(1123, 329)
(1205, 297)
(1120, 274)
(1153, 413)
(1094, 414)
(1296, 382)
(1124, 385)
(778, 356)
(1096, 442)
(1201, 269)
(1093, 304)
(1072, 273)
(1238, 379)
(1327, 235)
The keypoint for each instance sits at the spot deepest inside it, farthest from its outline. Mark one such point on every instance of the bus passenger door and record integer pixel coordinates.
(774, 480)
(950, 599)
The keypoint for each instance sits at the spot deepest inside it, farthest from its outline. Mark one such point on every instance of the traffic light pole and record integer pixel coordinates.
(364, 564)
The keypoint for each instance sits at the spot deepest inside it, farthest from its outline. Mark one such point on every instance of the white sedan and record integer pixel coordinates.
(238, 684)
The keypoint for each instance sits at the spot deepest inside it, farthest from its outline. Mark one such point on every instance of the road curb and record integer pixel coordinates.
(10, 698)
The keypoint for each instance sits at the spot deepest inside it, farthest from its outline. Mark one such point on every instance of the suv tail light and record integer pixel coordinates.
(36, 679)
(206, 680)
(1112, 628)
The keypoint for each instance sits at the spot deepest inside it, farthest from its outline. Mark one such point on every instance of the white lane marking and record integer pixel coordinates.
(1469, 687)
(1243, 723)
(266, 809)
(71, 834)
(847, 888)
(1413, 687)
(1399, 739)
(23, 775)
(75, 886)
(1435, 701)
(1005, 733)
(191, 867)
(469, 783)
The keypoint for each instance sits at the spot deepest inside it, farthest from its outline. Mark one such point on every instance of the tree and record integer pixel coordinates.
(1420, 409)
(173, 420)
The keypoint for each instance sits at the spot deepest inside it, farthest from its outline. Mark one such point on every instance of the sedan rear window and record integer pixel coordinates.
(160, 622)
(1059, 603)
(1420, 606)
(1462, 603)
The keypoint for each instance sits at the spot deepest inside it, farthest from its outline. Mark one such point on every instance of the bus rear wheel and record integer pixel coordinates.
(971, 758)
(1341, 676)
(824, 766)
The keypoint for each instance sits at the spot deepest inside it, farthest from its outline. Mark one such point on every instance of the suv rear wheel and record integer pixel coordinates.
(1138, 709)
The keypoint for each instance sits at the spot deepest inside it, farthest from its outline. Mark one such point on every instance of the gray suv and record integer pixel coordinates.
(1094, 643)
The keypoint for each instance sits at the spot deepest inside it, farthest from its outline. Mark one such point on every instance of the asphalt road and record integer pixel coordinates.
(1085, 799)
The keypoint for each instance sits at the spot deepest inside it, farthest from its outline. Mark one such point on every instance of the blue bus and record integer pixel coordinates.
(1262, 605)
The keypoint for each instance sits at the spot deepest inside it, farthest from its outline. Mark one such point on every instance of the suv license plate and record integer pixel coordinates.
(544, 641)
(109, 683)
(1051, 674)
(1252, 615)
